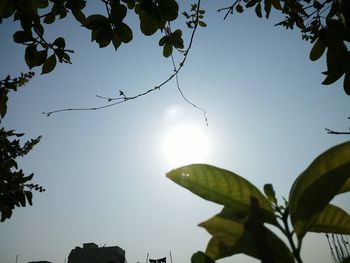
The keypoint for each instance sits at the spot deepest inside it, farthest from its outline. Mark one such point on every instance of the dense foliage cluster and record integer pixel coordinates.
(15, 186)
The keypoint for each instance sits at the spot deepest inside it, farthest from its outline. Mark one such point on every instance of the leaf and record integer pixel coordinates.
(270, 193)
(148, 23)
(258, 10)
(222, 187)
(200, 257)
(40, 57)
(317, 50)
(124, 32)
(317, 185)
(22, 37)
(202, 24)
(30, 54)
(332, 219)
(346, 83)
(268, 5)
(94, 22)
(239, 8)
(60, 42)
(167, 50)
(116, 40)
(168, 9)
(49, 64)
(277, 4)
(50, 18)
(332, 77)
(233, 237)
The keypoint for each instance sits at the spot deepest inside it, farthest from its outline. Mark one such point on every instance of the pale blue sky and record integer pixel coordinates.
(105, 171)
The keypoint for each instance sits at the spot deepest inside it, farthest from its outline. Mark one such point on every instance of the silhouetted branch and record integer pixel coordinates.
(229, 9)
(123, 98)
(329, 131)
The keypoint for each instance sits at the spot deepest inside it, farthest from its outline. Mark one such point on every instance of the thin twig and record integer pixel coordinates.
(124, 98)
(329, 131)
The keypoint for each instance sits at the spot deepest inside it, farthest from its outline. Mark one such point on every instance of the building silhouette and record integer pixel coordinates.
(92, 253)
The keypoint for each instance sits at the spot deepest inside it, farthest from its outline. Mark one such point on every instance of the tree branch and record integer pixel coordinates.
(122, 98)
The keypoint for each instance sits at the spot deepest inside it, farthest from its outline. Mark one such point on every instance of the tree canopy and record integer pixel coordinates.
(325, 24)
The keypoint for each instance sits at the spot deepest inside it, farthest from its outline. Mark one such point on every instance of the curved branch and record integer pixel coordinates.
(124, 98)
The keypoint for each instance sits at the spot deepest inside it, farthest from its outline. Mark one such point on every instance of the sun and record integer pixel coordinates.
(185, 144)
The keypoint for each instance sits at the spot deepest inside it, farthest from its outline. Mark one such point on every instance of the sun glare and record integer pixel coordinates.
(185, 145)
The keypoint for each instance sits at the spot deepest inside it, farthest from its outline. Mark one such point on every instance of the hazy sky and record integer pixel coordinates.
(104, 171)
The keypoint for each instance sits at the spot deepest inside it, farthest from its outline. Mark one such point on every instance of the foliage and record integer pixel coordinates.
(15, 186)
(239, 227)
(325, 23)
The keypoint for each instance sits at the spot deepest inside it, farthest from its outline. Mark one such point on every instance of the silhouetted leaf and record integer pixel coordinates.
(317, 50)
(200, 257)
(22, 37)
(167, 50)
(346, 83)
(169, 9)
(270, 193)
(332, 219)
(30, 55)
(277, 4)
(222, 187)
(40, 57)
(327, 175)
(268, 5)
(148, 23)
(49, 64)
(233, 237)
(94, 22)
(60, 42)
(124, 32)
(258, 10)
(239, 8)
(332, 77)
(50, 18)
(116, 40)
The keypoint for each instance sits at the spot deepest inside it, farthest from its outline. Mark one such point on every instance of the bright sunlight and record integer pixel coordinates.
(186, 144)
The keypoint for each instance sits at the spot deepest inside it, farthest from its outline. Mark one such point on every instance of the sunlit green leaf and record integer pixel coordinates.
(221, 186)
(317, 185)
(332, 219)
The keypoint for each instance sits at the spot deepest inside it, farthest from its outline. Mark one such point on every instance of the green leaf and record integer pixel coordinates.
(222, 187)
(202, 24)
(318, 49)
(332, 219)
(270, 193)
(200, 257)
(233, 237)
(317, 185)
(49, 64)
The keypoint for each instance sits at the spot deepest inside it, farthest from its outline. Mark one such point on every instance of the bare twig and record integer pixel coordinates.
(228, 9)
(122, 98)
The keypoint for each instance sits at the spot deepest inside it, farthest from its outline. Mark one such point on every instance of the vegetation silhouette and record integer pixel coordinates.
(239, 228)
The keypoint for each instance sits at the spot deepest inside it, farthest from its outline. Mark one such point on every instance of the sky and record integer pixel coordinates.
(104, 171)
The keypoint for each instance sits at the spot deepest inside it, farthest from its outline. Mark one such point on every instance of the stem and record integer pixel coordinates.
(289, 235)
